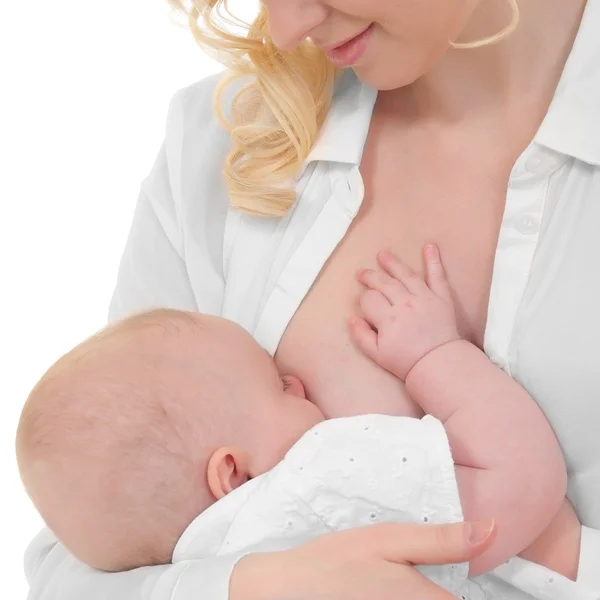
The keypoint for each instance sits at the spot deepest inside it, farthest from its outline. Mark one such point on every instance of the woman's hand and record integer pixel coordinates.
(368, 563)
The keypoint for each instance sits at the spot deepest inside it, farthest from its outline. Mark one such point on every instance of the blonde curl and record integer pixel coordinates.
(275, 119)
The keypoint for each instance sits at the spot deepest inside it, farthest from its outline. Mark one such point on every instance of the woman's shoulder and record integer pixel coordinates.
(196, 143)
(191, 111)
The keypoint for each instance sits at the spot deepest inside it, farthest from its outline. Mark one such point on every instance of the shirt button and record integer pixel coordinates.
(528, 225)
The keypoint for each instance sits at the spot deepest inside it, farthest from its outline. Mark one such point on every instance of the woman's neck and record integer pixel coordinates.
(522, 70)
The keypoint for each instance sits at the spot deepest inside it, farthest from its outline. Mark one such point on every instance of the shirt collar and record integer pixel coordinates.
(571, 126)
(344, 132)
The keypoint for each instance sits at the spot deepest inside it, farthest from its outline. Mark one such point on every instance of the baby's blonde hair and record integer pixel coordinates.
(277, 117)
(106, 449)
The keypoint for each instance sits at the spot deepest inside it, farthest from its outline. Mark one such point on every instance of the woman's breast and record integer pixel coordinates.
(316, 346)
(338, 378)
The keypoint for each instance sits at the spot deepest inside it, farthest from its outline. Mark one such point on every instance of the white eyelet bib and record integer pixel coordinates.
(353, 472)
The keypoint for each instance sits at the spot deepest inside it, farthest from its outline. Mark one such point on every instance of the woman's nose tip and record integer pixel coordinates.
(290, 26)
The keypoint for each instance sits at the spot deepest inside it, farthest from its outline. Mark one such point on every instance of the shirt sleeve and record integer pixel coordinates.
(152, 272)
(53, 574)
(588, 573)
(174, 250)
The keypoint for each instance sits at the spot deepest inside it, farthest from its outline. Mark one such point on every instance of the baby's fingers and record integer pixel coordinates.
(364, 337)
(387, 286)
(375, 308)
(435, 275)
(402, 272)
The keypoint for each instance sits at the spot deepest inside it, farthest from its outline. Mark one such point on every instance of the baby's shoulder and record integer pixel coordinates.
(368, 435)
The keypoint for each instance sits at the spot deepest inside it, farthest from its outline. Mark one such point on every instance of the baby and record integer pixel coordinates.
(169, 430)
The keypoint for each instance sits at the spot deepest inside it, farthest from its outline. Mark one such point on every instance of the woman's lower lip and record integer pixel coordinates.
(352, 51)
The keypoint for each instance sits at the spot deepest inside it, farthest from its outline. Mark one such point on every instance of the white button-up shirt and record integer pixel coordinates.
(188, 250)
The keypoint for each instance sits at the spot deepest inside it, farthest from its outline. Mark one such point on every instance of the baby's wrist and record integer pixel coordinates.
(429, 360)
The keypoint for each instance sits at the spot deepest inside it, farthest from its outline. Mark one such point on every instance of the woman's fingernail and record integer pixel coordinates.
(479, 531)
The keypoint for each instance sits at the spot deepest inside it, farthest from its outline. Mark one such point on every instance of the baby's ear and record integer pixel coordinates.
(227, 470)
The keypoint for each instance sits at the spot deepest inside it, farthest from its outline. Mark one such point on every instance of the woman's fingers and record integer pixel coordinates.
(359, 564)
(364, 337)
(435, 275)
(430, 544)
(402, 272)
(416, 586)
(390, 288)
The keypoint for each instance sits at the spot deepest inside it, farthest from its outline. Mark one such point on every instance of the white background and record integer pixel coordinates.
(85, 89)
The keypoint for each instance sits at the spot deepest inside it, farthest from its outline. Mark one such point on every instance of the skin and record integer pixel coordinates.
(465, 115)
(417, 30)
(277, 412)
(421, 32)
(409, 328)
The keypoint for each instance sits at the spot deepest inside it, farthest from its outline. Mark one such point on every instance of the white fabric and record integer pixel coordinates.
(343, 473)
(187, 250)
(353, 472)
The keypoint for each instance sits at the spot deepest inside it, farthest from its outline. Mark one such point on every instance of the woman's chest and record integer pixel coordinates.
(406, 205)
(292, 285)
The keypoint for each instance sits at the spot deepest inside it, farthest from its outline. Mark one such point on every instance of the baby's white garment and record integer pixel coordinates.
(350, 472)
(343, 473)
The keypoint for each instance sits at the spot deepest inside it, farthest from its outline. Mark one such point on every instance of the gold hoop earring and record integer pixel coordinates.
(498, 37)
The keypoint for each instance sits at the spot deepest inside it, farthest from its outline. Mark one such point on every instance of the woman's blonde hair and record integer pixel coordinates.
(276, 117)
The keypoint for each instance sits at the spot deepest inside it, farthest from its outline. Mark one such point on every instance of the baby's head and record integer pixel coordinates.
(131, 435)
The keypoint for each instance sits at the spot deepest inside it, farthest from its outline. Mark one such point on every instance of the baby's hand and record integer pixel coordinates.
(405, 317)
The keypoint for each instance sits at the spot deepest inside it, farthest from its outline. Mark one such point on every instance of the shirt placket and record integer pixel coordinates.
(517, 243)
(306, 262)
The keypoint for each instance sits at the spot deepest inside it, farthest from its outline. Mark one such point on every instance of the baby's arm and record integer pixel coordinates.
(509, 465)
(508, 462)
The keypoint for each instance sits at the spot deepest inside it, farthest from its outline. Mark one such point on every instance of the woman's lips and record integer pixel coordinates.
(350, 52)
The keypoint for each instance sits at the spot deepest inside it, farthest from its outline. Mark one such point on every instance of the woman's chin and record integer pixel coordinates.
(386, 75)
(385, 81)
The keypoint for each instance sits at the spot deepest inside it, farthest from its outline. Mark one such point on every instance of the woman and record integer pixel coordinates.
(491, 150)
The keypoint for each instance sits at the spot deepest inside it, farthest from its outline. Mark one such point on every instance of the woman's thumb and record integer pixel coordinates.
(436, 544)
(479, 535)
